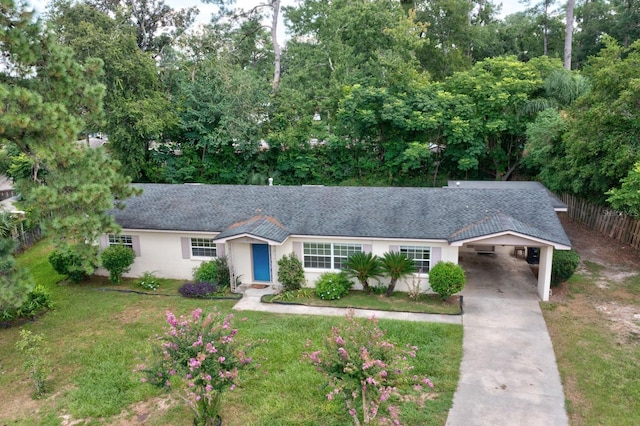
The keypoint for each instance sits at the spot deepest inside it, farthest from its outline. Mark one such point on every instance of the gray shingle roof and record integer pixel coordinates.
(258, 226)
(509, 184)
(369, 212)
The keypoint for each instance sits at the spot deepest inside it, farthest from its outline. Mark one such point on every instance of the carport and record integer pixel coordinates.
(497, 247)
(528, 220)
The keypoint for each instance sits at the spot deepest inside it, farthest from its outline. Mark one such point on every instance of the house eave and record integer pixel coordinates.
(534, 240)
(251, 237)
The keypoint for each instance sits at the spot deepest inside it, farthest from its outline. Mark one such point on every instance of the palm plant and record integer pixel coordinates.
(363, 267)
(396, 265)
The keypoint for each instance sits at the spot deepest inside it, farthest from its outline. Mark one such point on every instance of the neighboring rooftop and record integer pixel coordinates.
(558, 205)
(367, 212)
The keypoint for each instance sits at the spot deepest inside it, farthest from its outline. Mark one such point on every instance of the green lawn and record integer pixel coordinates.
(399, 301)
(97, 338)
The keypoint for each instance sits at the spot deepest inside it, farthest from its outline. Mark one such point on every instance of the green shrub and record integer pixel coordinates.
(224, 274)
(290, 272)
(117, 259)
(68, 263)
(565, 263)
(38, 300)
(149, 281)
(207, 272)
(447, 278)
(290, 296)
(333, 285)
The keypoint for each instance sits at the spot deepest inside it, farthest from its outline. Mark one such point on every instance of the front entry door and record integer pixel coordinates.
(261, 263)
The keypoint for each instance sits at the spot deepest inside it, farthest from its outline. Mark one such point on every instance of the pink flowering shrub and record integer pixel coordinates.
(202, 351)
(366, 370)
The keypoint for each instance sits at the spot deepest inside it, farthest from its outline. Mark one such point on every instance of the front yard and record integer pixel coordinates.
(98, 338)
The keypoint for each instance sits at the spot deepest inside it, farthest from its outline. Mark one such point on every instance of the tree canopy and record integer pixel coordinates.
(366, 92)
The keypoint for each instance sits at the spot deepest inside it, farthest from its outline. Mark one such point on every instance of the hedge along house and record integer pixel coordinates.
(173, 228)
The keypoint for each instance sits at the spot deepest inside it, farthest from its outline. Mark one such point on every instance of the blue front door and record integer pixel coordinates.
(261, 264)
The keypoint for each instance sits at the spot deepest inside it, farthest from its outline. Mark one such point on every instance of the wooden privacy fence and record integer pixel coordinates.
(616, 225)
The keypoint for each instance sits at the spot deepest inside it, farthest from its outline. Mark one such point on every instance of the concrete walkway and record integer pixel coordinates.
(508, 374)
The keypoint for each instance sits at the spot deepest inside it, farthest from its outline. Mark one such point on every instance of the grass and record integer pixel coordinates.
(97, 338)
(399, 301)
(600, 367)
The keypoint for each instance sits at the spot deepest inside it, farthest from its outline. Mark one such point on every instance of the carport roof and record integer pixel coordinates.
(443, 214)
(557, 203)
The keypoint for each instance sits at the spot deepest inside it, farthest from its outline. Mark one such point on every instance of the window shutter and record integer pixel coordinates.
(436, 256)
(104, 241)
(135, 242)
(297, 249)
(186, 247)
(394, 248)
(219, 249)
(367, 248)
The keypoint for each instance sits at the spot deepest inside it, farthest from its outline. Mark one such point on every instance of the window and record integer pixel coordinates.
(420, 256)
(125, 240)
(328, 255)
(203, 247)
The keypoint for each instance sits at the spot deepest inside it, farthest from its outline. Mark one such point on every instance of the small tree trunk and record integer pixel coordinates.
(276, 47)
(392, 287)
(568, 35)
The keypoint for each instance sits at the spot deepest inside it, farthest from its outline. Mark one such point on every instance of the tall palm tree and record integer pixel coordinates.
(396, 265)
(363, 266)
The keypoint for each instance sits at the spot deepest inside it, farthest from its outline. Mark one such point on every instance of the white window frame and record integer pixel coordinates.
(317, 255)
(202, 244)
(121, 239)
(416, 253)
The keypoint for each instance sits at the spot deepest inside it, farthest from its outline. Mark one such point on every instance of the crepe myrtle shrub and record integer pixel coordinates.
(447, 278)
(367, 372)
(34, 351)
(333, 285)
(565, 263)
(199, 357)
(290, 272)
(199, 290)
(117, 259)
(69, 263)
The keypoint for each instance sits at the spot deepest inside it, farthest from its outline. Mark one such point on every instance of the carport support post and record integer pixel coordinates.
(544, 272)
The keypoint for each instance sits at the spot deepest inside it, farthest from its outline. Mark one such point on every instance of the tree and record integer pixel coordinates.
(363, 267)
(45, 93)
(485, 129)
(627, 198)
(136, 107)
(254, 18)
(15, 283)
(157, 24)
(396, 265)
(599, 147)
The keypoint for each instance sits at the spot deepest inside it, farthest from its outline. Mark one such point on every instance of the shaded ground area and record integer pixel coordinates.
(594, 323)
(610, 264)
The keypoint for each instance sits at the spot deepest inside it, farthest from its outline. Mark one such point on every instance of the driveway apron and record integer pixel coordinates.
(509, 374)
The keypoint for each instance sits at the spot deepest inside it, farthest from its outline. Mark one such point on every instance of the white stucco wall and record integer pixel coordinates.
(161, 253)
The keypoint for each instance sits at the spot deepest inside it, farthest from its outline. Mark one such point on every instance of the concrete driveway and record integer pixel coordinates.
(508, 374)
